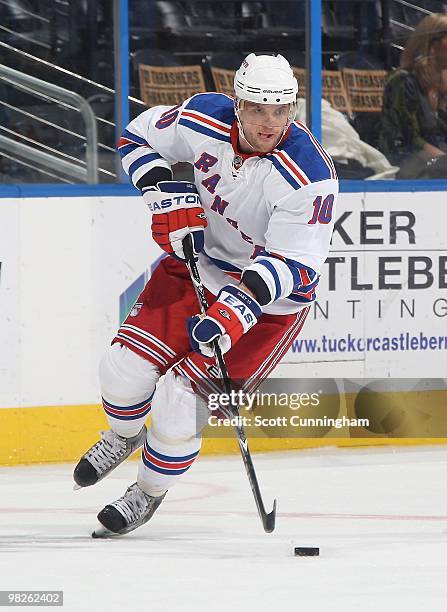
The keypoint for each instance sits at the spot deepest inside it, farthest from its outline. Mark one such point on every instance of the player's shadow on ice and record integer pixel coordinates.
(35, 541)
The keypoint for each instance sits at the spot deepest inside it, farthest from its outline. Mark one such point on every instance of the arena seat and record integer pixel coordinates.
(364, 77)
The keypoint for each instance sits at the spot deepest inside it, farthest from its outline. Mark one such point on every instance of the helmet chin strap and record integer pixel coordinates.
(237, 108)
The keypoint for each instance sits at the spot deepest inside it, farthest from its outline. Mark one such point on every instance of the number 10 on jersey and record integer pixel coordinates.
(322, 209)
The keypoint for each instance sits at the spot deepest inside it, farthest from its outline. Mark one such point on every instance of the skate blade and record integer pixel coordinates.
(102, 533)
(76, 487)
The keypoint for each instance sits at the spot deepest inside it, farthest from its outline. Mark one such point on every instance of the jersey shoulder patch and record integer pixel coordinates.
(301, 159)
(211, 114)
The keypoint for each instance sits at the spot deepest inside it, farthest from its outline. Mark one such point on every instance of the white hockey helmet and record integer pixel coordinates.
(266, 79)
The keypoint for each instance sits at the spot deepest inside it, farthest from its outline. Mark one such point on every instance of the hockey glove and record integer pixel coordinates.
(233, 313)
(176, 212)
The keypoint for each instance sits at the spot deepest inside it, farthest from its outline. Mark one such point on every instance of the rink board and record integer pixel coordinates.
(63, 433)
(70, 268)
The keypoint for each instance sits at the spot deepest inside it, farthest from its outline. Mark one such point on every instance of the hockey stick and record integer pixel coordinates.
(268, 519)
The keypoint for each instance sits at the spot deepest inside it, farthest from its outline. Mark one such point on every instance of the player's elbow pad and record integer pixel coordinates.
(271, 277)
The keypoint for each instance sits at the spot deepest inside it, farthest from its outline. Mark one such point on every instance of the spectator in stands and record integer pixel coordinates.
(413, 127)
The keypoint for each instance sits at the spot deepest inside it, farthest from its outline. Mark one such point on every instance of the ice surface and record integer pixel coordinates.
(378, 515)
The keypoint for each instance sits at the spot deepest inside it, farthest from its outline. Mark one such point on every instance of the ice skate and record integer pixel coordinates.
(127, 513)
(105, 456)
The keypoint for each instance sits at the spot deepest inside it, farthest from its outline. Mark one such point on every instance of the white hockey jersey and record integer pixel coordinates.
(273, 213)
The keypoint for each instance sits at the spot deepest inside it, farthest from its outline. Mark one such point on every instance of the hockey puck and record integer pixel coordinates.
(305, 551)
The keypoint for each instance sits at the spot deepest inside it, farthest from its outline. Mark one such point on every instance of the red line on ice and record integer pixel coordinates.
(304, 515)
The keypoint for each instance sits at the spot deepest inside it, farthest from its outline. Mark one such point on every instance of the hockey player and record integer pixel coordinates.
(260, 213)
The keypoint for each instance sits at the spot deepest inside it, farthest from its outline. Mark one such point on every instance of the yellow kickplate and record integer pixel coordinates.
(63, 433)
